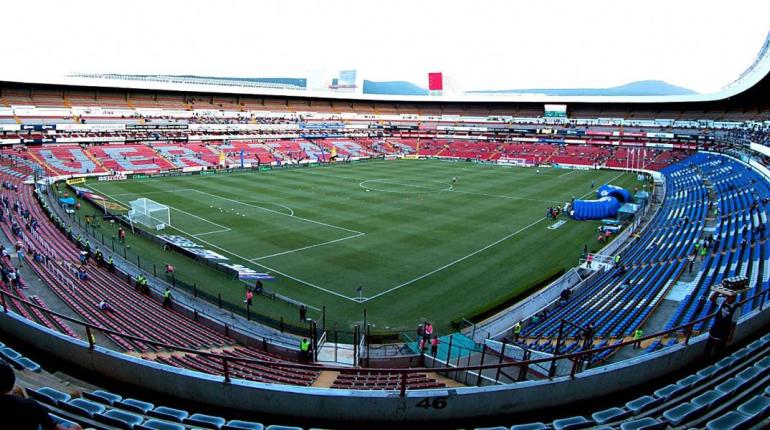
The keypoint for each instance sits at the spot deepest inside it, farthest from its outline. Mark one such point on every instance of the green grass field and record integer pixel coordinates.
(417, 246)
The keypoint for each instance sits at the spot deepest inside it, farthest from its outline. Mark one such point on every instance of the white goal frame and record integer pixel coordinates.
(149, 213)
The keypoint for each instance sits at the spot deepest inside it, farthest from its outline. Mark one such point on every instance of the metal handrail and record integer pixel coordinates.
(226, 360)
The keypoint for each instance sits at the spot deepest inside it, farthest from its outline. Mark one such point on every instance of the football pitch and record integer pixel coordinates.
(396, 238)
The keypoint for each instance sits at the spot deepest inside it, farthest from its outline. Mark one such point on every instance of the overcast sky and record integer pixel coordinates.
(699, 44)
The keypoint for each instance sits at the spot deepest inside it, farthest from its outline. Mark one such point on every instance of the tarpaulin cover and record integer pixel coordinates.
(621, 194)
(605, 207)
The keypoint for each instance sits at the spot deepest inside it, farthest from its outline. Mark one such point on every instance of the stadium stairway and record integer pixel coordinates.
(461, 346)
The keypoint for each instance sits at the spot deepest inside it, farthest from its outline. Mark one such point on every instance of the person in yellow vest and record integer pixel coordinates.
(304, 349)
(638, 333)
(167, 298)
(516, 331)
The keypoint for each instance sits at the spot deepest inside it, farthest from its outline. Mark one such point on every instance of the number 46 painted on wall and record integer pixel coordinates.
(435, 403)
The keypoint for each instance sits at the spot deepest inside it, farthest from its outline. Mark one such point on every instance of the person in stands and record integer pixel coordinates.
(434, 346)
(725, 320)
(167, 298)
(428, 331)
(26, 414)
(249, 297)
(104, 306)
(516, 331)
(304, 349)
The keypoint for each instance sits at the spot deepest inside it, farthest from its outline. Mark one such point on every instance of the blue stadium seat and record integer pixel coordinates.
(689, 381)
(726, 362)
(763, 363)
(643, 403)
(530, 426)
(135, 405)
(731, 385)
(83, 407)
(64, 422)
(682, 413)
(708, 371)
(708, 398)
(28, 364)
(205, 420)
(245, 425)
(669, 391)
(9, 353)
(731, 420)
(571, 423)
(169, 413)
(102, 396)
(741, 353)
(49, 395)
(611, 414)
(756, 408)
(647, 423)
(749, 374)
(159, 425)
(121, 419)
(491, 428)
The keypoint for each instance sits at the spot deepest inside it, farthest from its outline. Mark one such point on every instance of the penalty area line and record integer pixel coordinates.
(270, 269)
(307, 247)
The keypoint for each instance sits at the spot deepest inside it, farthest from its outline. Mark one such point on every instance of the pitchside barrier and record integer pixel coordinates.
(482, 398)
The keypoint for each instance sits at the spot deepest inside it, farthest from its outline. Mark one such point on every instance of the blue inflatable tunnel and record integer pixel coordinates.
(605, 207)
(621, 194)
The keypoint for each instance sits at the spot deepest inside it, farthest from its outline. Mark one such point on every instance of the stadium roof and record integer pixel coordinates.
(752, 75)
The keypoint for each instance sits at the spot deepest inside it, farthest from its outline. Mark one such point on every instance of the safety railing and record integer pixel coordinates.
(579, 358)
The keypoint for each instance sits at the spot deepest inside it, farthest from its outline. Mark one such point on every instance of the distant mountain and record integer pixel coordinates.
(639, 88)
(401, 88)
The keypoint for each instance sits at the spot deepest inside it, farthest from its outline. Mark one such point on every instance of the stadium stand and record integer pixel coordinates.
(65, 160)
(134, 158)
(182, 155)
(167, 133)
(658, 257)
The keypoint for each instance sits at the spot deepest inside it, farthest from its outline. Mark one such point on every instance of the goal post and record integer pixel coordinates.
(149, 213)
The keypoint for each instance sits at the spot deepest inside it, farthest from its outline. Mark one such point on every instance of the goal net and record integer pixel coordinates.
(521, 162)
(149, 213)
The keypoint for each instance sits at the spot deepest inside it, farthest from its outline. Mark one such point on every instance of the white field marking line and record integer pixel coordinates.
(281, 213)
(383, 181)
(200, 218)
(213, 232)
(425, 275)
(568, 173)
(454, 190)
(411, 281)
(593, 191)
(179, 190)
(309, 284)
(307, 247)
